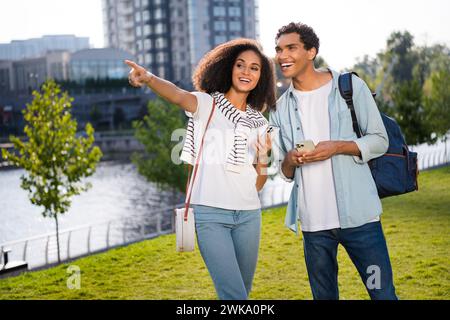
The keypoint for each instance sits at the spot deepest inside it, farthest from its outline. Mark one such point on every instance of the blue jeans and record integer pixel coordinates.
(229, 241)
(367, 249)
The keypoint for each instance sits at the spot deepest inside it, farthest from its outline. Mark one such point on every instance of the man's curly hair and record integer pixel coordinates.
(307, 35)
(214, 72)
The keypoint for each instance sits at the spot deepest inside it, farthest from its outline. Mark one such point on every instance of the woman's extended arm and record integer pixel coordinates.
(139, 76)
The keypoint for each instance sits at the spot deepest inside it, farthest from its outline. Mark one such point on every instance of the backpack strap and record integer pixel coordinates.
(346, 90)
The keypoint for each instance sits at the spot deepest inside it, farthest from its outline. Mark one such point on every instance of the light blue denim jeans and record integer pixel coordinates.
(229, 241)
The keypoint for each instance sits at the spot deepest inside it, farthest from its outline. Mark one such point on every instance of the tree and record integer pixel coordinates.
(155, 133)
(437, 103)
(54, 158)
(401, 76)
(320, 62)
(410, 113)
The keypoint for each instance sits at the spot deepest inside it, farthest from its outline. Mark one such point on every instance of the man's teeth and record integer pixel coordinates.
(286, 65)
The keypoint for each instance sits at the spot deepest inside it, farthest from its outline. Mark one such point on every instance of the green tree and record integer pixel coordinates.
(437, 103)
(54, 158)
(410, 113)
(155, 133)
(367, 68)
(320, 62)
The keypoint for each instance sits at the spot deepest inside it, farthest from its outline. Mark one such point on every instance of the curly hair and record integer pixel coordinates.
(306, 33)
(214, 72)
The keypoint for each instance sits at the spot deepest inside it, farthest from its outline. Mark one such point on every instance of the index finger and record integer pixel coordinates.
(132, 64)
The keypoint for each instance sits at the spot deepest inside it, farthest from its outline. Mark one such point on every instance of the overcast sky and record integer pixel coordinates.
(368, 23)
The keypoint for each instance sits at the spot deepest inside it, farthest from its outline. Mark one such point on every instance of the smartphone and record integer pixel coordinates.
(307, 145)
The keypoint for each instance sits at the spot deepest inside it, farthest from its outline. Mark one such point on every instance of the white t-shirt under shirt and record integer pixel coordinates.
(318, 190)
(214, 185)
(318, 184)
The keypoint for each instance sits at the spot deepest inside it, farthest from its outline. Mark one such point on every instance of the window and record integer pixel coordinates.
(161, 57)
(159, 14)
(161, 43)
(138, 17)
(148, 59)
(219, 40)
(160, 28)
(219, 11)
(220, 26)
(147, 44)
(161, 72)
(141, 59)
(146, 15)
(147, 30)
(235, 26)
(234, 11)
(139, 31)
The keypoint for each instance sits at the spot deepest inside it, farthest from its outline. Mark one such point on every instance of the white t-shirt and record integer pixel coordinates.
(318, 189)
(214, 185)
(318, 184)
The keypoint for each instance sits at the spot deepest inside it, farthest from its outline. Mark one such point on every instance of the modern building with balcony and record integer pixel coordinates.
(171, 36)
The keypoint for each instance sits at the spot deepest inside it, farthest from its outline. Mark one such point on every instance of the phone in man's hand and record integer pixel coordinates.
(307, 145)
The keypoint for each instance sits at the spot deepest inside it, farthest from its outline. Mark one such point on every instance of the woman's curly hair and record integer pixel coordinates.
(214, 72)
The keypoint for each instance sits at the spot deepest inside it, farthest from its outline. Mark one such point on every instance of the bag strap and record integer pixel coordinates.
(188, 201)
(346, 90)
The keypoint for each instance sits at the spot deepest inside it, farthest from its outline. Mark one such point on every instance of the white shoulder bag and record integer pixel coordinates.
(184, 217)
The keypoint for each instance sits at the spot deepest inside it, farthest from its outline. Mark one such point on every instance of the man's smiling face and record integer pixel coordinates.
(291, 55)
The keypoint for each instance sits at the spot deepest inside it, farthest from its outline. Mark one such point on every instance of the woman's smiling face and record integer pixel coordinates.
(246, 71)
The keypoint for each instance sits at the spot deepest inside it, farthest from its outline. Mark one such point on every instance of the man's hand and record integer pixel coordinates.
(323, 151)
(294, 158)
(138, 76)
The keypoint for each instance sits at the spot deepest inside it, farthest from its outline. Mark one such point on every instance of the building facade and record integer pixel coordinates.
(95, 78)
(25, 75)
(38, 47)
(171, 36)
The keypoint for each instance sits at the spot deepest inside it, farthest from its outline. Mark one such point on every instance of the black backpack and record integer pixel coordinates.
(396, 171)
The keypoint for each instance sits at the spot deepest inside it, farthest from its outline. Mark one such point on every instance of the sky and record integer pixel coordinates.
(368, 23)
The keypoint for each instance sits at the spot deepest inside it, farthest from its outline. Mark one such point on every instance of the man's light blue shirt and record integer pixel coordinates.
(356, 192)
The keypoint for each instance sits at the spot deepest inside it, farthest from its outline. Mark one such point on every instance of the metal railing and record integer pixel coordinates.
(432, 158)
(41, 251)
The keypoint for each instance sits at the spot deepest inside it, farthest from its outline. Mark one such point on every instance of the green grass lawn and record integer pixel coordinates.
(417, 228)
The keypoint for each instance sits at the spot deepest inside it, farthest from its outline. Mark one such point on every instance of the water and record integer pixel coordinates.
(118, 191)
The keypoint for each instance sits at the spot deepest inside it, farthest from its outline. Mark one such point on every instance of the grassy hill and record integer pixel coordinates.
(417, 229)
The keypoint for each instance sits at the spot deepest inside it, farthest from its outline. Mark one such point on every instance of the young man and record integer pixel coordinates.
(334, 195)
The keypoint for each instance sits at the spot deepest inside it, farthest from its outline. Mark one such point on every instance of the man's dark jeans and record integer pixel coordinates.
(366, 247)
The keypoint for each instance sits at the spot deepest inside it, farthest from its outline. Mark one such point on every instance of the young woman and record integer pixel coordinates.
(236, 79)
